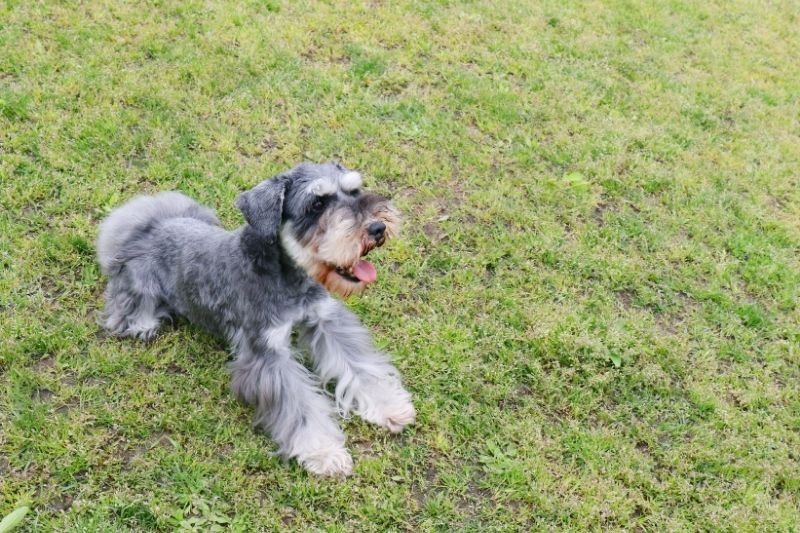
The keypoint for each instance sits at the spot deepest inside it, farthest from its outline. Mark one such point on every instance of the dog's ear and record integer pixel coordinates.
(262, 206)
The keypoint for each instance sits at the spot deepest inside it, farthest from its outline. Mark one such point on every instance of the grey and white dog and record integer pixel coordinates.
(307, 230)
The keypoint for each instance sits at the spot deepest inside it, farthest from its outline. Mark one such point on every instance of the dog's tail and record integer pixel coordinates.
(131, 221)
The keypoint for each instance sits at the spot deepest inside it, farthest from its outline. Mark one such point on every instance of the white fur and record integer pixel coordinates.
(278, 337)
(350, 181)
(320, 452)
(384, 402)
(290, 404)
(322, 187)
(342, 350)
(297, 251)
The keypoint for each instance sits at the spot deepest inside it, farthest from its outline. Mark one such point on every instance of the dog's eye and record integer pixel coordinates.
(354, 192)
(318, 204)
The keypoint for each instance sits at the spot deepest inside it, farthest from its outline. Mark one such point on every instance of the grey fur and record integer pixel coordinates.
(167, 255)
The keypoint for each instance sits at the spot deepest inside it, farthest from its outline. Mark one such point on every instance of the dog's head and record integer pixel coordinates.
(325, 221)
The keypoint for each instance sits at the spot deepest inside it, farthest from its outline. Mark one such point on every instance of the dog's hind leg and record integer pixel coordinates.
(342, 350)
(133, 308)
(289, 403)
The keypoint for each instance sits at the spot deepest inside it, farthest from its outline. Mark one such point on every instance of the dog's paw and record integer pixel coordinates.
(144, 328)
(392, 417)
(387, 405)
(396, 421)
(328, 462)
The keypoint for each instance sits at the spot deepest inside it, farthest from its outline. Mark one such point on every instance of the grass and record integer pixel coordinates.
(595, 300)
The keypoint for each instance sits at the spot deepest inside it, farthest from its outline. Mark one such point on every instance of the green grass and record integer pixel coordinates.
(594, 302)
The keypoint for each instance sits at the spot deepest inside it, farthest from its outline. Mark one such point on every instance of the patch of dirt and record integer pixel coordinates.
(515, 399)
(313, 54)
(138, 160)
(67, 406)
(364, 448)
(776, 202)
(61, 504)
(420, 493)
(42, 394)
(157, 440)
(267, 145)
(734, 399)
(26, 474)
(625, 297)
(174, 368)
(45, 364)
(668, 323)
(622, 168)
(225, 450)
(434, 232)
(478, 493)
(95, 381)
(445, 205)
(599, 211)
(68, 379)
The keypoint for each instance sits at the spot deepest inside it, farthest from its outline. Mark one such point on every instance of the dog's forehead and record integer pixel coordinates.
(326, 179)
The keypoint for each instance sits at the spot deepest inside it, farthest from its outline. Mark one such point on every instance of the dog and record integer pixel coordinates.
(307, 230)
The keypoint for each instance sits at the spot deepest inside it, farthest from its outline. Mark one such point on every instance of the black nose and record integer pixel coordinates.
(376, 229)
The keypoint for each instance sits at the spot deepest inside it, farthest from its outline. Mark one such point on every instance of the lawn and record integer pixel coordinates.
(594, 299)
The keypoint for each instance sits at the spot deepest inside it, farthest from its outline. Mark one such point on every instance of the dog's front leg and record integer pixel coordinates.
(289, 404)
(341, 349)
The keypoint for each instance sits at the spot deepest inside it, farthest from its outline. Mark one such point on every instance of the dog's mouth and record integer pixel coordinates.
(361, 272)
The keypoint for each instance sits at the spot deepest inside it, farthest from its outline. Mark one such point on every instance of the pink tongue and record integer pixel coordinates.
(365, 271)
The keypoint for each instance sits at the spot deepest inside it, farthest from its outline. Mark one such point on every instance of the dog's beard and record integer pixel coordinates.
(333, 253)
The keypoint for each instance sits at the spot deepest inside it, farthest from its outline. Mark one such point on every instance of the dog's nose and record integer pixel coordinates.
(376, 230)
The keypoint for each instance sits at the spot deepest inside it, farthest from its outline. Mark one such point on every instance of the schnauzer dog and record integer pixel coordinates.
(307, 230)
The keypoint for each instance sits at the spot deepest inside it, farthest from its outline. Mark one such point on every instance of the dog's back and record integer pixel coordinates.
(123, 230)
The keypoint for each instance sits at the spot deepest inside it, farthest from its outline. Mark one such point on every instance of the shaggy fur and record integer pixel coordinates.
(307, 229)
